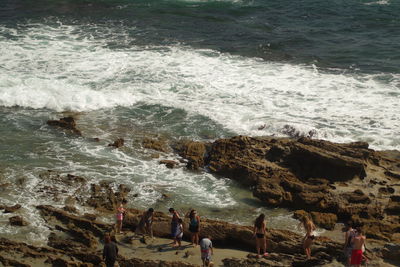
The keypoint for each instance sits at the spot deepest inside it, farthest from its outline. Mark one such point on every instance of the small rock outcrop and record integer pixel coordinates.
(118, 143)
(66, 123)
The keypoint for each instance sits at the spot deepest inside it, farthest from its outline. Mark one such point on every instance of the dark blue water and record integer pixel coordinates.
(361, 35)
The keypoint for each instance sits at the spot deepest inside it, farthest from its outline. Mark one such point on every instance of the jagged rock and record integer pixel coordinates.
(103, 197)
(159, 145)
(308, 174)
(71, 209)
(17, 221)
(169, 163)
(325, 220)
(11, 209)
(96, 228)
(393, 206)
(11, 262)
(67, 123)
(118, 143)
(194, 152)
(89, 216)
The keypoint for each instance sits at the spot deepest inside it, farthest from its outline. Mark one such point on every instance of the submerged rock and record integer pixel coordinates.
(67, 123)
(118, 143)
(17, 221)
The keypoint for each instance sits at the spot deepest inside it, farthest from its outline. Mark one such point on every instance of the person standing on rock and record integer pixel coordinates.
(110, 251)
(179, 236)
(146, 223)
(358, 242)
(120, 218)
(348, 245)
(194, 226)
(309, 227)
(206, 249)
(260, 233)
(174, 225)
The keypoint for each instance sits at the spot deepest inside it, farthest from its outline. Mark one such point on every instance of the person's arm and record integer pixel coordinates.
(116, 250)
(346, 239)
(198, 221)
(104, 252)
(212, 249)
(254, 230)
(264, 228)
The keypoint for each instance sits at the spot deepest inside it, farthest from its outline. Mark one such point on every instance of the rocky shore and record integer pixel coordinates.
(332, 183)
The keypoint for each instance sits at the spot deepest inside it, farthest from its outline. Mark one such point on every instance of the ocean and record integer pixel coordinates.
(199, 70)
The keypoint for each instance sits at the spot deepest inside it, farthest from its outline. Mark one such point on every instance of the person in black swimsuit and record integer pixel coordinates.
(260, 232)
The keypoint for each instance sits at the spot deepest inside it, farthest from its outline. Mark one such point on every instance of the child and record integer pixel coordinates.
(180, 232)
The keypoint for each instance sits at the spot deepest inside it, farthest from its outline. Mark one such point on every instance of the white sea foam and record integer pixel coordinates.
(65, 68)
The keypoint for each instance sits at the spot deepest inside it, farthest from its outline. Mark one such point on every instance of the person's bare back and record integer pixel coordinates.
(358, 241)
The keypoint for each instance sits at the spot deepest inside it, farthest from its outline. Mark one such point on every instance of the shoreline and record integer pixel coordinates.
(329, 182)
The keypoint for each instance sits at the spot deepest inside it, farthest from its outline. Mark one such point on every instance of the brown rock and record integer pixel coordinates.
(67, 123)
(325, 220)
(169, 163)
(194, 152)
(117, 143)
(159, 145)
(12, 208)
(17, 221)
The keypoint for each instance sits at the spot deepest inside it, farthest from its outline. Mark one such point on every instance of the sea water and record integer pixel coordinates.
(199, 70)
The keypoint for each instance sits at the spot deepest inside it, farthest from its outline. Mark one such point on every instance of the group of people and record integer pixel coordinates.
(353, 247)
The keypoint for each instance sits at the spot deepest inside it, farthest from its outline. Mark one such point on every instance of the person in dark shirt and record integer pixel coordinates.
(110, 251)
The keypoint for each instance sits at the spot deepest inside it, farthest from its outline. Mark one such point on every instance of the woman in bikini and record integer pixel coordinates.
(260, 235)
(194, 226)
(309, 227)
(120, 217)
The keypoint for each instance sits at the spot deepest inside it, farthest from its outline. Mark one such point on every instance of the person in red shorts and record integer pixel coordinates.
(358, 242)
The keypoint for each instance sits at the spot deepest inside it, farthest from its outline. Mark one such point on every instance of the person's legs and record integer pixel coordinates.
(307, 247)
(149, 230)
(118, 226)
(110, 263)
(193, 237)
(264, 246)
(196, 238)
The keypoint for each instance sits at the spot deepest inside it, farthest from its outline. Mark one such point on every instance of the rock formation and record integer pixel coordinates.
(334, 182)
(67, 123)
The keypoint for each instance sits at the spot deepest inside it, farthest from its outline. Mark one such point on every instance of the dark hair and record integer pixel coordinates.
(349, 224)
(180, 220)
(259, 221)
(107, 238)
(359, 230)
(171, 210)
(191, 216)
(150, 210)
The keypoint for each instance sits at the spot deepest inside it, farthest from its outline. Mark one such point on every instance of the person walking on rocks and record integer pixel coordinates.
(348, 245)
(358, 242)
(180, 232)
(110, 251)
(260, 232)
(309, 227)
(206, 249)
(194, 227)
(120, 218)
(146, 223)
(174, 225)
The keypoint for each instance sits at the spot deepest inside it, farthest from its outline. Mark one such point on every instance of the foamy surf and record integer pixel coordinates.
(73, 70)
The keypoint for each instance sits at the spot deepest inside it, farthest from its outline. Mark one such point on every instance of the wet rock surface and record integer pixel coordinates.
(66, 123)
(332, 182)
(329, 182)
